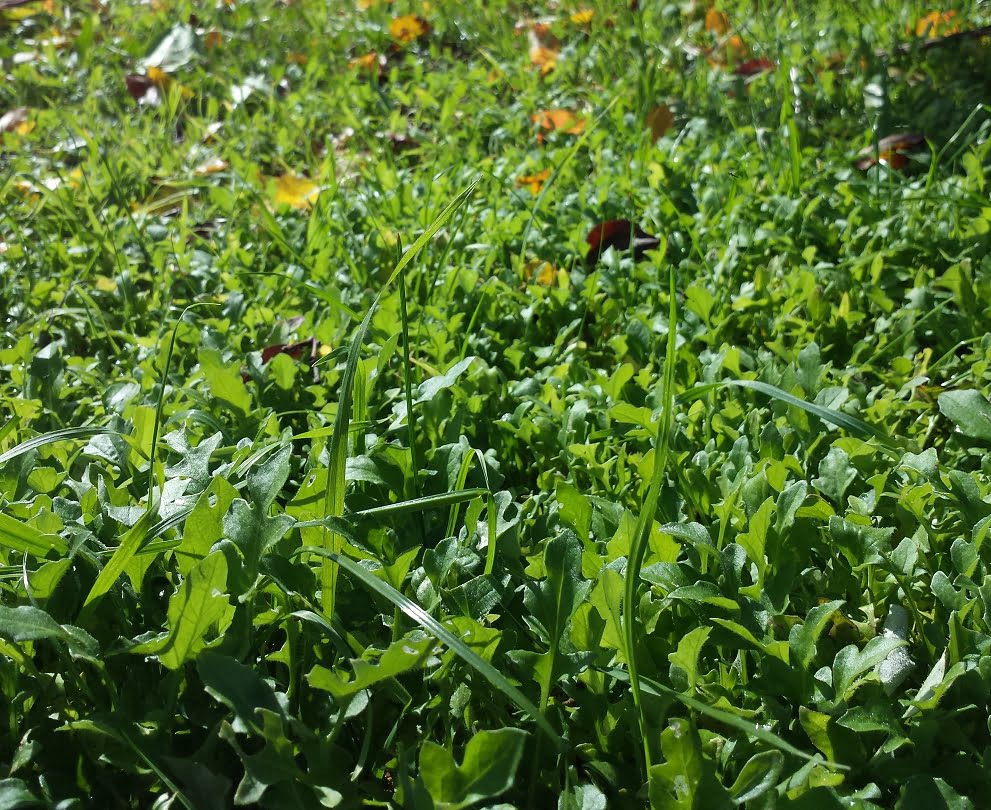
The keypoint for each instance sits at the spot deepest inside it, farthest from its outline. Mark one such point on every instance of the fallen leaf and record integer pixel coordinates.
(890, 151)
(294, 191)
(936, 23)
(213, 39)
(535, 182)
(659, 120)
(563, 121)
(211, 166)
(16, 120)
(544, 49)
(308, 349)
(371, 62)
(139, 86)
(618, 233)
(751, 67)
(408, 28)
(583, 17)
(716, 21)
(540, 272)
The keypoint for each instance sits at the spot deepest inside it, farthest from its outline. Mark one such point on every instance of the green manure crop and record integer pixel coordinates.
(446, 405)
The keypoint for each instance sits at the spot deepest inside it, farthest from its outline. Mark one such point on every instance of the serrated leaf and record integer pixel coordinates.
(488, 768)
(686, 780)
(401, 656)
(200, 604)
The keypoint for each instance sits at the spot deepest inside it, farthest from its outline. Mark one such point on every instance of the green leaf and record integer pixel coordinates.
(969, 411)
(129, 544)
(238, 687)
(582, 797)
(200, 604)
(802, 638)
(26, 623)
(224, 381)
(22, 537)
(720, 715)
(861, 545)
(686, 780)
(757, 777)
(836, 473)
(205, 523)
(924, 792)
(574, 508)
(684, 661)
(15, 794)
(374, 666)
(441, 633)
(265, 482)
(51, 438)
(850, 663)
(607, 598)
(488, 768)
(553, 600)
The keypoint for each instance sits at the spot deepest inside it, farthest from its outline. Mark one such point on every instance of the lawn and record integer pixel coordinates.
(466, 404)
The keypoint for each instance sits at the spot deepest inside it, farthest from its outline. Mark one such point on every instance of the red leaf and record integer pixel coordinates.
(617, 233)
(891, 151)
(753, 66)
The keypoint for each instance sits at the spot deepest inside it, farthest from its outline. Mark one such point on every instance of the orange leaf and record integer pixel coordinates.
(716, 21)
(370, 62)
(213, 39)
(557, 121)
(936, 23)
(659, 120)
(211, 166)
(534, 181)
(543, 53)
(407, 28)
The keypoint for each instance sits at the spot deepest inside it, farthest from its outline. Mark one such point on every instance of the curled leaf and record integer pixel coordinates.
(891, 151)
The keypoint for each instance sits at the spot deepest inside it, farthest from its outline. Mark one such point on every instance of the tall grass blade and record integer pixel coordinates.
(644, 522)
(442, 634)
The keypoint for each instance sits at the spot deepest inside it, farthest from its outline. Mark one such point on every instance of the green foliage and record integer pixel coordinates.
(293, 517)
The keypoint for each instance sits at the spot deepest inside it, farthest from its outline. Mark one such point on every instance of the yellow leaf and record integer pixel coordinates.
(583, 17)
(407, 28)
(936, 23)
(541, 272)
(659, 120)
(297, 192)
(544, 51)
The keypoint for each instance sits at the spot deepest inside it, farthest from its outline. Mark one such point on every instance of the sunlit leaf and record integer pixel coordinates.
(295, 191)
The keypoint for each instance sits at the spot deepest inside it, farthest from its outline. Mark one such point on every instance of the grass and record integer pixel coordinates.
(701, 530)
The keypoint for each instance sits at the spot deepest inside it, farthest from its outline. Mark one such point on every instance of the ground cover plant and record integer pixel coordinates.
(442, 404)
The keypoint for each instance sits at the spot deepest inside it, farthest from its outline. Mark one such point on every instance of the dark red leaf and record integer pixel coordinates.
(297, 351)
(753, 66)
(138, 86)
(617, 233)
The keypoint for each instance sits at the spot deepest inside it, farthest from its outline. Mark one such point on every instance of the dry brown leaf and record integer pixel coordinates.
(660, 120)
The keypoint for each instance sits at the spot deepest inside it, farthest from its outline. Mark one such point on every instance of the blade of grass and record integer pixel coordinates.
(720, 715)
(851, 424)
(51, 438)
(442, 634)
(644, 522)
